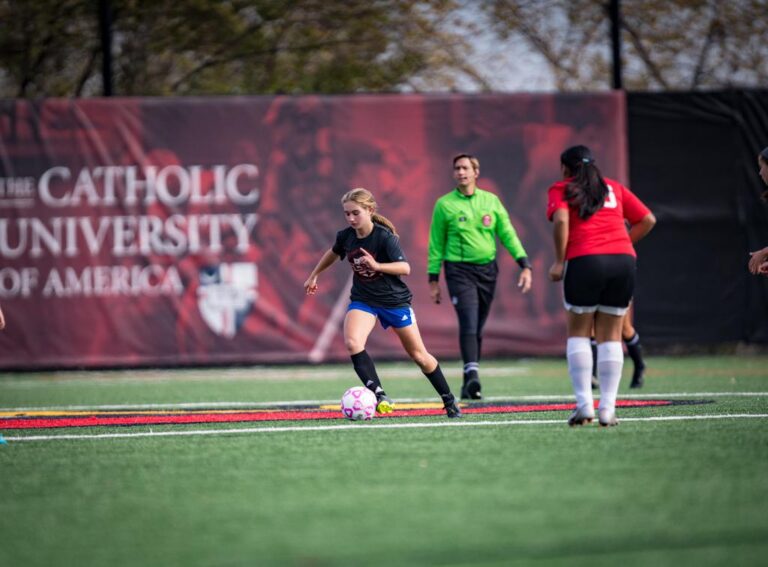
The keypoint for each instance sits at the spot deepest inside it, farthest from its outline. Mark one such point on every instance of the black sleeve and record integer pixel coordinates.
(392, 247)
(524, 263)
(338, 246)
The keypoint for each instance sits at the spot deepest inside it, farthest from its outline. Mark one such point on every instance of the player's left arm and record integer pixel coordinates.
(399, 268)
(640, 217)
(395, 264)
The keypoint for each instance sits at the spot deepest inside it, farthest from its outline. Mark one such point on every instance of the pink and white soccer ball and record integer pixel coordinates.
(358, 403)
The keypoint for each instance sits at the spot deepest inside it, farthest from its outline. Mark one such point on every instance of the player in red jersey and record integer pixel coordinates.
(595, 258)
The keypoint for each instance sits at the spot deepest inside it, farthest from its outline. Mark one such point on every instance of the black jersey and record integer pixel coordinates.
(374, 288)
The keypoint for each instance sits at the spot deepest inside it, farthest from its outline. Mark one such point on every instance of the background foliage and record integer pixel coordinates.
(213, 47)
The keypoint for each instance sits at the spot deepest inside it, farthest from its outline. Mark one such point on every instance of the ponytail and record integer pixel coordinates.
(587, 191)
(385, 222)
(365, 199)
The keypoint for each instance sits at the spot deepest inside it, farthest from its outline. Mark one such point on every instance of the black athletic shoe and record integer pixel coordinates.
(473, 390)
(637, 377)
(452, 410)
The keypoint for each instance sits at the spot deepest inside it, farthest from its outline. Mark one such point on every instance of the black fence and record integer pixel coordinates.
(693, 160)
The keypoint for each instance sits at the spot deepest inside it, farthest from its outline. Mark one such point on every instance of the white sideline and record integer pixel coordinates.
(230, 374)
(364, 426)
(219, 405)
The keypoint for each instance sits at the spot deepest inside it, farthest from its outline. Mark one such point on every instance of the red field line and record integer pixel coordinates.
(179, 418)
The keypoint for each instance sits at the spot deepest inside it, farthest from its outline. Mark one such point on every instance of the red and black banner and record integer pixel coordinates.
(180, 231)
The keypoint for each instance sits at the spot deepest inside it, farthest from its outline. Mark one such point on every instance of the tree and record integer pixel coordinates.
(210, 47)
(186, 47)
(668, 44)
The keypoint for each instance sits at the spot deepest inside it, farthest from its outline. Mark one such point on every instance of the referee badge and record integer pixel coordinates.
(486, 220)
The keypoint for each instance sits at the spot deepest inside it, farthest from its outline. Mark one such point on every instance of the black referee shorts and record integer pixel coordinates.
(471, 285)
(600, 282)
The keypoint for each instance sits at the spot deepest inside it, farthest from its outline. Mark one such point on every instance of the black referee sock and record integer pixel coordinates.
(470, 347)
(366, 371)
(635, 351)
(439, 383)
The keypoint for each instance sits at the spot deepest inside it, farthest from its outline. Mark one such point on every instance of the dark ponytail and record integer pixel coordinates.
(587, 190)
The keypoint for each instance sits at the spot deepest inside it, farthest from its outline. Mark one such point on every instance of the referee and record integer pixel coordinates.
(465, 224)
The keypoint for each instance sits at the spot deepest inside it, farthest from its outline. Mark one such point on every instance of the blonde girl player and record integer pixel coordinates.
(371, 246)
(595, 258)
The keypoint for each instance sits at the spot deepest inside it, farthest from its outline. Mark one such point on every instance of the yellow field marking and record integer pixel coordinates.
(398, 406)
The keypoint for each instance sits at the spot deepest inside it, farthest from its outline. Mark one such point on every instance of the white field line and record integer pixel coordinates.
(363, 426)
(154, 376)
(256, 405)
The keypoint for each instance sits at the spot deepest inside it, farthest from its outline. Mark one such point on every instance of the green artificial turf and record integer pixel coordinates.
(684, 492)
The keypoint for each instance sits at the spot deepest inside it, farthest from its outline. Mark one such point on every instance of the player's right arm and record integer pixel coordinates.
(436, 250)
(310, 286)
(560, 220)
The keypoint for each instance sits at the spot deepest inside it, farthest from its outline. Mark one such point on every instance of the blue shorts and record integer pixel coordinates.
(396, 317)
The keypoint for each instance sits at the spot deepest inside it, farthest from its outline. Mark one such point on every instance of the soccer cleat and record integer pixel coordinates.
(581, 415)
(472, 390)
(607, 418)
(384, 404)
(637, 377)
(452, 410)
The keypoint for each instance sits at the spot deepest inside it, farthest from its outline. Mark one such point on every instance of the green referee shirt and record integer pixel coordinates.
(464, 229)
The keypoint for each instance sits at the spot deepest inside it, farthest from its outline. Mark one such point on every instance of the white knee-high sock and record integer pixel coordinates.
(610, 360)
(579, 353)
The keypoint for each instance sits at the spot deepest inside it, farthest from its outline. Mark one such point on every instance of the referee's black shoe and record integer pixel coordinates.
(471, 390)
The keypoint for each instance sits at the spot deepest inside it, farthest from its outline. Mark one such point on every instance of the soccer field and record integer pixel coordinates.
(255, 466)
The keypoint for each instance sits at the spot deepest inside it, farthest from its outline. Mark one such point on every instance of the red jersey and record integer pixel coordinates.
(605, 232)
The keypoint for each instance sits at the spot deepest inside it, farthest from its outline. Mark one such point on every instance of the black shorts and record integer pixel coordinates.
(602, 282)
(471, 285)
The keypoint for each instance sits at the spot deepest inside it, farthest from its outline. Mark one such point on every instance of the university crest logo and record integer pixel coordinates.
(226, 295)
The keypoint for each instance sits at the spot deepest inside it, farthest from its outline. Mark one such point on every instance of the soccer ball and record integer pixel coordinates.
(358, 403)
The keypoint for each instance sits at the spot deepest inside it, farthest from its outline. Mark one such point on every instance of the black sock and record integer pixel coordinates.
(469, 347)
(635, 351)
(366, 371)
(439, 383)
